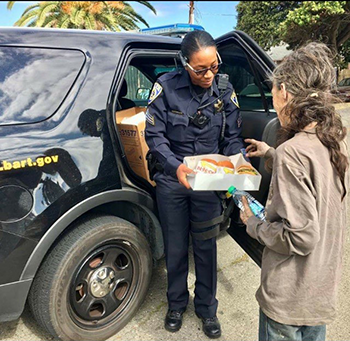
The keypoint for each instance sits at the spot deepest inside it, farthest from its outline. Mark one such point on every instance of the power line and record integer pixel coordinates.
(220, 14)
(198, 14)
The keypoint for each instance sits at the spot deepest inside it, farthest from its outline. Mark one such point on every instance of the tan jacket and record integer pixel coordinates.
(304, 234)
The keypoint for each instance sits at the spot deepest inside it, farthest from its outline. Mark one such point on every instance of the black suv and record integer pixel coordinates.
(79, 229)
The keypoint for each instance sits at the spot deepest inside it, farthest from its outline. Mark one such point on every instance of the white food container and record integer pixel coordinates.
(221, 182)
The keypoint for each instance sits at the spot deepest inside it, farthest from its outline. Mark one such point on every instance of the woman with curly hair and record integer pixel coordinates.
(306, 208)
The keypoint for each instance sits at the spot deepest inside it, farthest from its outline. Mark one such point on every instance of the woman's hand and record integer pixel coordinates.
(247, 213)
(181, 174)
(256, 148)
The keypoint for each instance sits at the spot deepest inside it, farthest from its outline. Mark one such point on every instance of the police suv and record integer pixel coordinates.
(79, 228)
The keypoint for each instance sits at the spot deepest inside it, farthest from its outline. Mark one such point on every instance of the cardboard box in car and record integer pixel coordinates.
(131, 125)
(221, 182)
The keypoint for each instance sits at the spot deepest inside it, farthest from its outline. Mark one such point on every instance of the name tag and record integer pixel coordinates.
(177, 112)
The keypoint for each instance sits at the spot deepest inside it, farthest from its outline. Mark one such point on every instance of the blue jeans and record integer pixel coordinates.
(270, 330)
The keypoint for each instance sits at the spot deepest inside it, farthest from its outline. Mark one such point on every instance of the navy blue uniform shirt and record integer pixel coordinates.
(171, 136)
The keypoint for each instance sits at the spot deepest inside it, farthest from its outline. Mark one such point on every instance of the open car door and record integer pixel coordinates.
(249, 69)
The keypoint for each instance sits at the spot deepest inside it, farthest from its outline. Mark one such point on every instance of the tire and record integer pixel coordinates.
(93, 281)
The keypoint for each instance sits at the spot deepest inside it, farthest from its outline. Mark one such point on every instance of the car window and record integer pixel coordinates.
(246, 85)
(34, 82)
(344, 82)
(139, 86)
(161, 70)
(141, 74)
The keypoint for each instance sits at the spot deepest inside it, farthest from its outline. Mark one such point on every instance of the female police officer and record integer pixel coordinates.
(184, 118)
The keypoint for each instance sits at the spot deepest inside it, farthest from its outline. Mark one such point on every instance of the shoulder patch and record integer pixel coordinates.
(149, 118)
(234, 99)
(156, 91)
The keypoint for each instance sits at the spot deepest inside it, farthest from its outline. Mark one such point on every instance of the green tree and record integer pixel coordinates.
(296, 22)
(326, 21)
(260, 19)
(93, 15)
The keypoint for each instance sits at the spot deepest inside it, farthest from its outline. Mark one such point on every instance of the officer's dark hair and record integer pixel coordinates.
(195, 41)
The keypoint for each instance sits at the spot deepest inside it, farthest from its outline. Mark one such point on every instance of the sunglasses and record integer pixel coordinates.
(214, 68)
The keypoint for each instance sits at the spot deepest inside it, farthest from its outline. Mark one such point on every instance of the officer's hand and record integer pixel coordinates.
(256, 148)
(181, 174)
(247, 213)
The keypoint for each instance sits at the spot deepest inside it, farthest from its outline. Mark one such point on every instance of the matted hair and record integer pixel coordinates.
(308, 74)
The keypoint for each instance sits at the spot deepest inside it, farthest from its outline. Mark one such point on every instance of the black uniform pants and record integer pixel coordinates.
(177, 206)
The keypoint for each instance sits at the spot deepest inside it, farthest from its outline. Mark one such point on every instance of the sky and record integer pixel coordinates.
(217, 17)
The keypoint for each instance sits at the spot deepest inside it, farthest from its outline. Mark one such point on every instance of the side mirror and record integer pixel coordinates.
(143, 93)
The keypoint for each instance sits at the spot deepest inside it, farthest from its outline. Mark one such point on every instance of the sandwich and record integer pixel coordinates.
(227, 166)
(246, 169)
(207, 166)
(210, 161)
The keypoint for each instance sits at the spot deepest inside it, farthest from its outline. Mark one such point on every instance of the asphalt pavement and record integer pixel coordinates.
(238, 279)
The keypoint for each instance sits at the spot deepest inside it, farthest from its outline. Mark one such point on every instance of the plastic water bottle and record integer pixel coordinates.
(257, 209)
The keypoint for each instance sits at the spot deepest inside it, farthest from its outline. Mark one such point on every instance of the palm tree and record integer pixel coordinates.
(93, 15)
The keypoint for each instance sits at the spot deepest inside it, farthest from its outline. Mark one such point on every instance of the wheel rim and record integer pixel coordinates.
(104, 284)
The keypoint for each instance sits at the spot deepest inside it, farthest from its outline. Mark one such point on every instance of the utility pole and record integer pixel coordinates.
(191, 16)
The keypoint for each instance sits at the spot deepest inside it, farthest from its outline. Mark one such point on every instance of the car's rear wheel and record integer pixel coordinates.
(93, 280)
